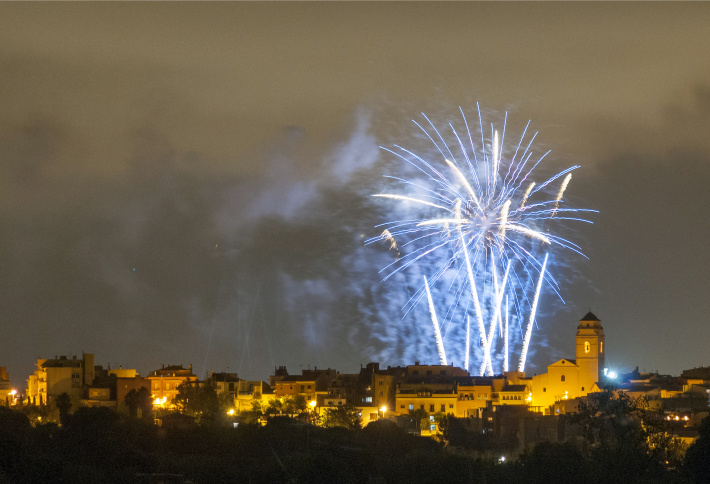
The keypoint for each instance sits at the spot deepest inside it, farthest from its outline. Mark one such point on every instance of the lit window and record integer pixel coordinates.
(411, 406)
(601, 347)
(586, 347)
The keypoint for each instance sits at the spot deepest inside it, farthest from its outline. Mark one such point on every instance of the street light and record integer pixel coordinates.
(314, 416)
(383, 410)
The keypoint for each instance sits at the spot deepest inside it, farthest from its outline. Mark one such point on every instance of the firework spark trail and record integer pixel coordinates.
(533, 309)
(496, 312)
(468, 342)
(505, 340)
(435, 322)
(478, 229)
(563, 187)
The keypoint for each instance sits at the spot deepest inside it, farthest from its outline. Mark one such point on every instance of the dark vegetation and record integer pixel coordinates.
(101, 445)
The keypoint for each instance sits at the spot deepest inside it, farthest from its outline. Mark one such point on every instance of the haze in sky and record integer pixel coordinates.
(190, 182)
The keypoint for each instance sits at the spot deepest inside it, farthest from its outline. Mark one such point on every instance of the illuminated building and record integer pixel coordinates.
(61, 375)
(165, 381)
(567, 378)
(225, 384)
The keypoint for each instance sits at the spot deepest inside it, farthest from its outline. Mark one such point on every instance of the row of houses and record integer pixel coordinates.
(393, 392)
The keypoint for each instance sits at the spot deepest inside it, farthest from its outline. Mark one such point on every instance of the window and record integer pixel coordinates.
(415, 372)
(443, 408)
(451, 405)
(401, 406)
(303, 388)
(380, 382)
(601, 347)
(586, 346)
(562, 378)
(431, 407)
(421, 406)
(309, 387)
(582, 388)
(368, 399)
(544, 390)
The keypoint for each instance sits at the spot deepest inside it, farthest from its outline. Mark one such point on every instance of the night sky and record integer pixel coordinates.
(190, 183)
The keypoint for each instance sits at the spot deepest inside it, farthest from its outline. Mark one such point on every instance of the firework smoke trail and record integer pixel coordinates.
(533, 310)
(435, 322)
(474, 226)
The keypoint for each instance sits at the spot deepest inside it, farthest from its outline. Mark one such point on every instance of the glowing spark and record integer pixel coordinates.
(527, 194)
(505, 340)
(435, 322)
(533, 309)
(468, 342)
(402, 197)
(563, 187)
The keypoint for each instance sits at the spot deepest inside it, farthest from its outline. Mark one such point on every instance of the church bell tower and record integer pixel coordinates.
(590, 351)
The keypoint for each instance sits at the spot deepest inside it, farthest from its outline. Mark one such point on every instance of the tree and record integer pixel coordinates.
(63, 403)
(14, 427)
(292, 405)
(421, 417)
(342, 416)
(697, 458)
(252, 416)
(624, 438)
(139, 400)
(201, 401)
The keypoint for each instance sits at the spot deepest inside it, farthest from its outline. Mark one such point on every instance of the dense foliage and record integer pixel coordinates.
(101, 445)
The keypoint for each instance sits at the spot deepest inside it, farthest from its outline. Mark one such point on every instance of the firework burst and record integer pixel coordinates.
(475, 202)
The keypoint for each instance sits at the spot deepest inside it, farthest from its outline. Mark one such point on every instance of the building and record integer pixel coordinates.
(225, 384)
(61, 375)
(164, 383)
(572, 378)
(6, 395)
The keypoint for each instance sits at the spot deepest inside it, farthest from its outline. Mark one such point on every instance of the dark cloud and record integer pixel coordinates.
(191, 184)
